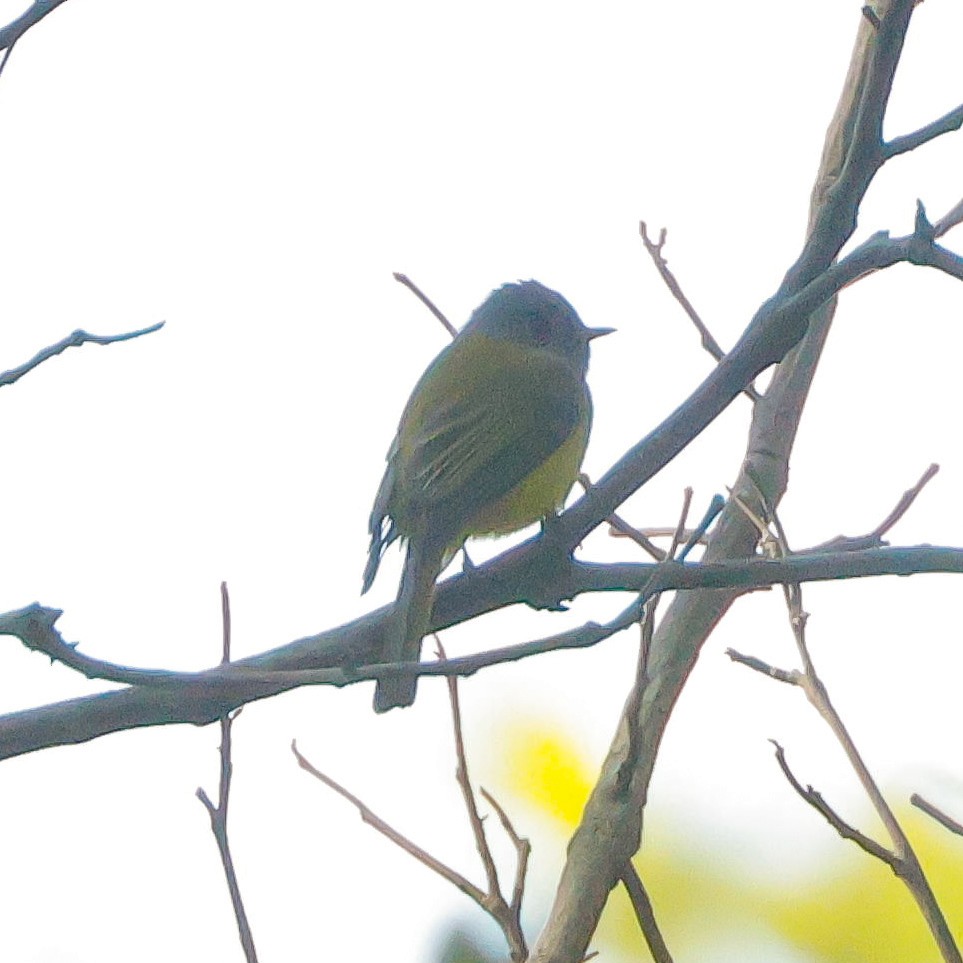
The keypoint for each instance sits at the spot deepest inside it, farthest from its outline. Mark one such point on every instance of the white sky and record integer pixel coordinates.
(252, 173)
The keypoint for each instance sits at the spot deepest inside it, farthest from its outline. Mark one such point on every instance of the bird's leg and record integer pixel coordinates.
(552, 568)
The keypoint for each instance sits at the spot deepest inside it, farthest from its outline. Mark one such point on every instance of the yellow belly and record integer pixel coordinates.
(541, 493)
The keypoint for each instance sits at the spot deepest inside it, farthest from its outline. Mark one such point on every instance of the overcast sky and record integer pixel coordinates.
(252, 174)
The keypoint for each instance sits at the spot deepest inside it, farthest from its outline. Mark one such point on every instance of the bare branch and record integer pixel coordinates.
(619, 526)
(902, 860)
(813, 798)
(650, 601)
(645, 914)
(789, 676)
(946, 124)
(662, 266)
(74, 340)
(793, 324)
(389, 832)
(523, 849)
(947, 822)
(778, 325)
(875, 537)
(255, 677)
(338, 656)
(506, 916)
(948, 220)
(426, 301)
(14, 30)
(218, 813)
(6, 56)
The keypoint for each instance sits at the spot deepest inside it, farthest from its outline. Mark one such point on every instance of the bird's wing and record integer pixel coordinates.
(468, 448)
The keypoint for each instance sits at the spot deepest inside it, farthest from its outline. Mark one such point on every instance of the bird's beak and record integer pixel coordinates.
(598, 332)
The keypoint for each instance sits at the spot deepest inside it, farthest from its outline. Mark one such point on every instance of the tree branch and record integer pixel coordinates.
(654, 249)
(815, 799)
(218, 813)
(389, 832)
(645, 914)
(339, 656)
(947, 822)
(946, 124)
(902, 858)
(611, 826)
(74, 340)
(777, 327)
(14, 30)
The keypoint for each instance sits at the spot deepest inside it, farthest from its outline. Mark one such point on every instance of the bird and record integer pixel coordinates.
(490, 441)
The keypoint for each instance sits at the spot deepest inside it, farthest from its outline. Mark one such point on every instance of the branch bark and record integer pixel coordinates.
(610, 831)
(14, 30)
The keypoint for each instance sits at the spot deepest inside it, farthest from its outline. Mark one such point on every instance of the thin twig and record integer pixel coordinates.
(645, 914)
(646, 629)
(875, 537)
(815, 799)
(905, 502)
(426, 301)
(619, 525)
(662, 266)
(700, 534)
(389, 832)
(506, 915)
(789, 676)
(947, 822)
(218, 813)
(74, 340)
(949, 220)
(6, 56)
(492, 902)
(620, 528)
(523, 849)
(902, 858)
(464, 783)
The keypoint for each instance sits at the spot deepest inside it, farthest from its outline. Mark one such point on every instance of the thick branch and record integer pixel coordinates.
(777, 327)
(14, 30)
(612, 821)
(334, 657)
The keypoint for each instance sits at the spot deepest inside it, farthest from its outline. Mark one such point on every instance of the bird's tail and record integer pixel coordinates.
(410, 623)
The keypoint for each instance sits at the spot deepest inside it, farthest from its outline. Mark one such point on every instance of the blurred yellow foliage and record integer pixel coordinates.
(863, 912)
(852, 910)
(543, 769)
